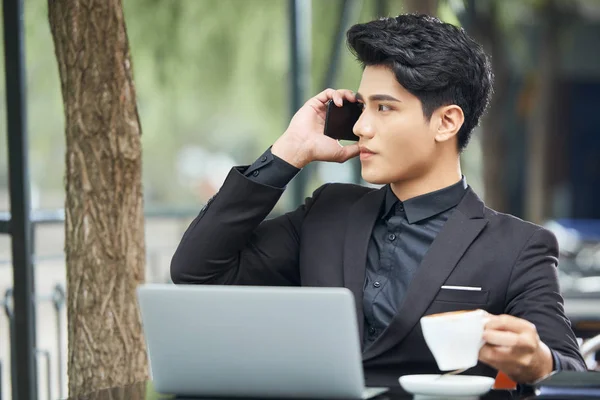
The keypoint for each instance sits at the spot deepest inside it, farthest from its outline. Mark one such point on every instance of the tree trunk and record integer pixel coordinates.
(104, 226)
(486, 31)
(541, 121)
(428, 7)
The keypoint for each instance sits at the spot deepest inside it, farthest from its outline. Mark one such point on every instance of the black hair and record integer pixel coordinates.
(435, 61)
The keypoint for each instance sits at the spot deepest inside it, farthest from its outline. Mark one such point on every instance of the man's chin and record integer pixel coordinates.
(374, 179)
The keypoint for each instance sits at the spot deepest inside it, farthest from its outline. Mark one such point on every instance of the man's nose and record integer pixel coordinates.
(363, 127)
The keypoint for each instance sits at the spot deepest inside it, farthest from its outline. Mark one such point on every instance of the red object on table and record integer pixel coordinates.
(504, 382)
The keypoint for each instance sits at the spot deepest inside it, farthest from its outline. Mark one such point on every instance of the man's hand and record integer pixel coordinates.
(304, 141)
(514, 347)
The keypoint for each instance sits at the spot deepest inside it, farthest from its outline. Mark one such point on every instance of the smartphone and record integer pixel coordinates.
(568, 385)
(339, 121)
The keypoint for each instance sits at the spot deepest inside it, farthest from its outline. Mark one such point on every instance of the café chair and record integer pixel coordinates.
(588, 349)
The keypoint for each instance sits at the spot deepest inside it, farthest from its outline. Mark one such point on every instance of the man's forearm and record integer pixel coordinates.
(209, 250)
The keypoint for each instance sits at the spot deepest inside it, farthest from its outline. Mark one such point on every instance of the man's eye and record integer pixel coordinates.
(383, 107)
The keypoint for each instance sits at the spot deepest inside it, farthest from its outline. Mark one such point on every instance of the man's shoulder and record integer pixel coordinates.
(513, 226)
(498, 217)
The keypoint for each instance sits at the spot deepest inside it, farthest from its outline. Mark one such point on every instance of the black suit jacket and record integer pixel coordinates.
(324, 243)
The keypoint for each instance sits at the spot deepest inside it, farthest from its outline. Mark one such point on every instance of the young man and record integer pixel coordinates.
(424, 88)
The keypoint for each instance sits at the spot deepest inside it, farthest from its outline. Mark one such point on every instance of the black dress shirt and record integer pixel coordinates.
(401, 237)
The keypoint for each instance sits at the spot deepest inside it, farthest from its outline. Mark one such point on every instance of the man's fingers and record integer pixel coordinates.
(494, 355)
(513, 346)
(325, 95)
(347, 95)
(509, 323)
(338, 96)
(500, 338)
(348, 152)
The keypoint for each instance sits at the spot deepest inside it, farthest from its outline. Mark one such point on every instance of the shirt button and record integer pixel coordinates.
(376, 284)
(263, 159)
(255, 173)
(392, 237)
(372, 330)
(400, 207)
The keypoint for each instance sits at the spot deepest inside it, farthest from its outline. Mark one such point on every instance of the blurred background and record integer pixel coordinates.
(218, 80)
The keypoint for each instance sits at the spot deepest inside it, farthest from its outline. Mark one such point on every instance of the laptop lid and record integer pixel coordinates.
(252, 341)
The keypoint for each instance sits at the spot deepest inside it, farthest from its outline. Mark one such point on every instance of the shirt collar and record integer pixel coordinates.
(426, 205)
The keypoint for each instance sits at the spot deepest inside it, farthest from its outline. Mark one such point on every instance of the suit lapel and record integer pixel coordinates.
(362, 218)
(463, 226)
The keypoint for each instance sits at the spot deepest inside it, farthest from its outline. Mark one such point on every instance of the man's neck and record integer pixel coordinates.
(436, 179)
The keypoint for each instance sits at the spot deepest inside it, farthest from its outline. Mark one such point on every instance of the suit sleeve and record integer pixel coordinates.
(271, 170)
(230, 242)
(534, 295)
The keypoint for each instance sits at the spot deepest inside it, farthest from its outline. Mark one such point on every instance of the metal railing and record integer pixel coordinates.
(57, 297)
(55, 377)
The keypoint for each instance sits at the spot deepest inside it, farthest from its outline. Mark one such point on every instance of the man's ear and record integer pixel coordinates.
(449, 120)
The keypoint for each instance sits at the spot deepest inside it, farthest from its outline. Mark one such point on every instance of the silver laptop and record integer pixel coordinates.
(249, 341)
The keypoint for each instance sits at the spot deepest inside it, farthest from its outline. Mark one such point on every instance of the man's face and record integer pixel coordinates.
(397, 142)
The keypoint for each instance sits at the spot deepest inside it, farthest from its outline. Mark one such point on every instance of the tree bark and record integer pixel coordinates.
(104, 225)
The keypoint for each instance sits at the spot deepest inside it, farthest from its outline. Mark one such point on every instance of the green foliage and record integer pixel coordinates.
(209, 73)
(45, 112)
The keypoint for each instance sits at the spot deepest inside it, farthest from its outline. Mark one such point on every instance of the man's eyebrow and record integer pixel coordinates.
(377, 97)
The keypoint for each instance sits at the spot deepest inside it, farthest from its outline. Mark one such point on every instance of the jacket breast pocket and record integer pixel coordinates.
(479, 297)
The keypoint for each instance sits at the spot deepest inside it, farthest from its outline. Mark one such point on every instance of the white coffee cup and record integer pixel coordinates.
(454, 338)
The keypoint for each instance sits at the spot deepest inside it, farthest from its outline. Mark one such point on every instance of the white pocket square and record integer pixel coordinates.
(470, 288)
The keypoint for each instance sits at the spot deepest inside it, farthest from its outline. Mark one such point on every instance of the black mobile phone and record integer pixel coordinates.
(339, 121)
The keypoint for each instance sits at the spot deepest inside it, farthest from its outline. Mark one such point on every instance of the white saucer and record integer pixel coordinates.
(452, 385)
